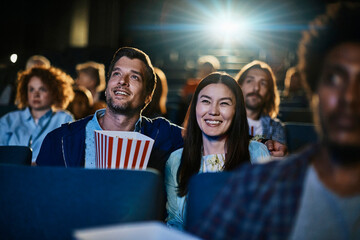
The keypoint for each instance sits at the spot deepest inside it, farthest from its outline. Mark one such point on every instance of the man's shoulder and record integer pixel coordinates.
(277, 121)
(159, 122)
(71, 127)
(274, 120)
(168, 136)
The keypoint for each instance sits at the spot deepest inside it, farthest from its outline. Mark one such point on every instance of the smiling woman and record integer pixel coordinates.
(215, 110)
(216, 139)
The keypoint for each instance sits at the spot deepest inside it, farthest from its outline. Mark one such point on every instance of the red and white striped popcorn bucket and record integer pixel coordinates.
(120, 149)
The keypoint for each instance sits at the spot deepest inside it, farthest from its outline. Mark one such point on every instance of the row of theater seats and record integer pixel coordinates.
(299, 135)
(299, 126)
(56, 202)
(304, 115)
(53, 203)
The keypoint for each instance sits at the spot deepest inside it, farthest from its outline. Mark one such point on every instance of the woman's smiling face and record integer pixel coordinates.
(215, 109)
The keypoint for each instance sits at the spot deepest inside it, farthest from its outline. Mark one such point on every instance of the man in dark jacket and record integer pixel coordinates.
(131, 82)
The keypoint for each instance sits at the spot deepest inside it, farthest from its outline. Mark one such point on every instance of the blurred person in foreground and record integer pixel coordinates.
(262, 100)
(316, 193)
(42, 95)
(216, 139)
(130, 86)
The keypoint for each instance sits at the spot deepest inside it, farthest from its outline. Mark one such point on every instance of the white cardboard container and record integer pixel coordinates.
(122, 150)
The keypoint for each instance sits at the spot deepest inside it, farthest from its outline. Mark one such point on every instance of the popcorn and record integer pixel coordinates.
(120, 149)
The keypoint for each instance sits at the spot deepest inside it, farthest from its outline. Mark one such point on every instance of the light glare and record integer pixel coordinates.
(229, 30)
(13, 58)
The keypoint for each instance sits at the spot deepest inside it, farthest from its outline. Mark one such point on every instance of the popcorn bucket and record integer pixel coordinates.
(120, 149)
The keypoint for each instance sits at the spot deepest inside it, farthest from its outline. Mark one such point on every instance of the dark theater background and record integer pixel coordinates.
(173, 32)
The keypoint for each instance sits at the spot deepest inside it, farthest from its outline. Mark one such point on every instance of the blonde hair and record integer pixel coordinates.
(209, 59)
(36, 61)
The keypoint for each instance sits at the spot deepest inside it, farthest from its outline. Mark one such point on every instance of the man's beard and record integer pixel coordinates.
(341, 154)
(344, 155)
(257, 106)
(123, 109)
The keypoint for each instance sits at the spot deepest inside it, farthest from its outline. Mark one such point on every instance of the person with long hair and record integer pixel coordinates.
(216, 139)
(262, 100)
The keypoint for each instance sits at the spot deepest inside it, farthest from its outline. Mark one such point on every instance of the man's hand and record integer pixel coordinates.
(276, 149)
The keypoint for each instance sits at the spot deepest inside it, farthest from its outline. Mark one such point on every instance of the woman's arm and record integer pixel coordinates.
(174, 203)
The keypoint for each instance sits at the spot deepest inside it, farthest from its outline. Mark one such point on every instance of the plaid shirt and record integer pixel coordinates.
(259, 202)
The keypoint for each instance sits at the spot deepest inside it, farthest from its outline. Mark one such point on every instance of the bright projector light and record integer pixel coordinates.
(227, 29)
(223, 27)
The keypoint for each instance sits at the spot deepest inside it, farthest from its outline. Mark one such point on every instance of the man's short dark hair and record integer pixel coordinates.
(340, 24)
(134, 53)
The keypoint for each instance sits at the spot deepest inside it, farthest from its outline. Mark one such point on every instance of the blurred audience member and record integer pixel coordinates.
(82, 104)
(205, 65)
(37, 61)
(157, 106)
(7, 85)
(316, 193)
(8, 78)
(92, 76)
(216, 139)
(262, 100)
(43, 92)
(294, 94)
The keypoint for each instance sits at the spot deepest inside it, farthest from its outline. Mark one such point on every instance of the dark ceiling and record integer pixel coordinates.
(30, 27)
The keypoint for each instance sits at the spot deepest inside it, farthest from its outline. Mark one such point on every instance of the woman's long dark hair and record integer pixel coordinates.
(237, 142)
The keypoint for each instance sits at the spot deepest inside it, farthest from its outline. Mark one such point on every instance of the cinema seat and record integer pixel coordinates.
(203, 189)
(52, 202)
(20, 155)
(298, 135)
